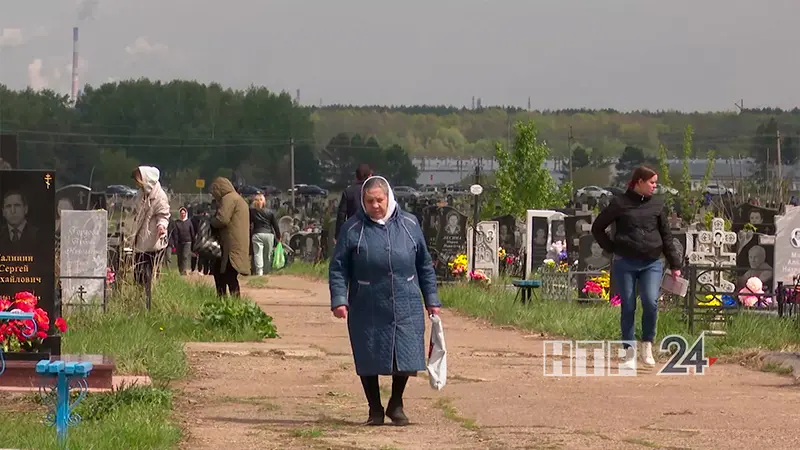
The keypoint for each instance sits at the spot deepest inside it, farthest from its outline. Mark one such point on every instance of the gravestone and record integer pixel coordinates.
(507, 233)
(755, 258)
(306, 245)
(787, 247)
(98, 200)
(74, 197)
(575, 227)
(592, 256)
(762, 218)
(558, 231)
(27, 239)
(539, 241)
(712, 250)
(486, 259)
(84, 257)
(445, 231)
(285, 223)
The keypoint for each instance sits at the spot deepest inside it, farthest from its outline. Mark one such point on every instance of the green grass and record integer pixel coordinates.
(141, 342)
(317, 271)
(130, 418)
(745, 332)
(151, 342)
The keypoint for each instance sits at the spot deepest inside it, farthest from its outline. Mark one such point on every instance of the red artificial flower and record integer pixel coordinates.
(41, 334)
(61, 325)
(25, 297)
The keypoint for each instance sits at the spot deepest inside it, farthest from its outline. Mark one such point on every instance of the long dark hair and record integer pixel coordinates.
(641, 173)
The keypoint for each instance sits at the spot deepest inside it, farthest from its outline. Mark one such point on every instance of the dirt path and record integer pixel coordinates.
(301, 391)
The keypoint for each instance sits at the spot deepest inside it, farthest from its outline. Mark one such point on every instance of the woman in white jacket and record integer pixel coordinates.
(150, 221)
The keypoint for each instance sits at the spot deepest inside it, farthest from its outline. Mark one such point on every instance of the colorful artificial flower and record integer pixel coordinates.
(458, 266)
(25, 335)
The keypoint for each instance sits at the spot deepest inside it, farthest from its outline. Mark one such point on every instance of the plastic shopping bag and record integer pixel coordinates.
(278, 257)
(437, 355)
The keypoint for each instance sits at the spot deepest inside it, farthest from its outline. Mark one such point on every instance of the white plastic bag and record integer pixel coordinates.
(437, 355)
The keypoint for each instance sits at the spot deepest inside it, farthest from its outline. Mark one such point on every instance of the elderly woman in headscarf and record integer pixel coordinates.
(379, 274)
(151, 219)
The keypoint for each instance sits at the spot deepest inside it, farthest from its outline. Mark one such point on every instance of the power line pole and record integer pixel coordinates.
(291, 158)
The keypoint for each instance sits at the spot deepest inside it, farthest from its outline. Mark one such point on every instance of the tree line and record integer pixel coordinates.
(187, 129)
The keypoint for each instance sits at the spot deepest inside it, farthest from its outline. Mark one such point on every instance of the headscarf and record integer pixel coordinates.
(392, 204)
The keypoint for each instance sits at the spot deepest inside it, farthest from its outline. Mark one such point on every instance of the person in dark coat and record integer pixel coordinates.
(350, 203)
(642, 234)
(182, 239)
(380, 272)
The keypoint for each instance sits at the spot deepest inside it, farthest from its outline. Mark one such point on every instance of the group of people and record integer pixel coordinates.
(231, 223)
(381, 276)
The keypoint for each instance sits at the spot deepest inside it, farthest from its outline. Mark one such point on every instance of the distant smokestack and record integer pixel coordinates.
(74, 65)
(297, 98)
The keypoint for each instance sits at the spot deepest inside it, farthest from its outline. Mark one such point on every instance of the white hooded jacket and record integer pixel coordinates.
(151, 210)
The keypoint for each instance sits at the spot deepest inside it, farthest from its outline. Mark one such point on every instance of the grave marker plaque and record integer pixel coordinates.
(27, 236)
(306, 246)
(84, 253)
(574, 227)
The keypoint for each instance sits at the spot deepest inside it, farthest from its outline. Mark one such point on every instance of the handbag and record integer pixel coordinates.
(207, 240)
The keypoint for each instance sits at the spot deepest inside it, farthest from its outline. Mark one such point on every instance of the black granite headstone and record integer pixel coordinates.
(573, 226)
(445, 231)
(27, 237)
(755, 260)
(508, 227)
(538, 241)
(762, 218)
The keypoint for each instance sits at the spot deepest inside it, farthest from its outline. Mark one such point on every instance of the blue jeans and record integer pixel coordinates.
(625, 274)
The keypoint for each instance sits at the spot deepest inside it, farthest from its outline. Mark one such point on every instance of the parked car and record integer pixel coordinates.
(270, 190)
(593, 192)
(717, 189)
(402, 192)
(312, 190)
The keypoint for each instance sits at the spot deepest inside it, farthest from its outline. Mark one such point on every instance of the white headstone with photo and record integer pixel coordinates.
(84, 256)
(714, 249)
(787, 246)
(531, 213)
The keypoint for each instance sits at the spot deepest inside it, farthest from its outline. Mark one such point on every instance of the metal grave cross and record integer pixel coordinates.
(81, 292)
(712, 251)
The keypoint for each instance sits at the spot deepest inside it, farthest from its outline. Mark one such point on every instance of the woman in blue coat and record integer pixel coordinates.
(379, 274)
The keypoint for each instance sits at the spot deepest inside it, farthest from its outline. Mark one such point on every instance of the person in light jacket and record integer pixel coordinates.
(150, 219)
(232, 219)
(380, 272)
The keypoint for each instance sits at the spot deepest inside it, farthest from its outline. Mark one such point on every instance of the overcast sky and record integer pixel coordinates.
(624, 54)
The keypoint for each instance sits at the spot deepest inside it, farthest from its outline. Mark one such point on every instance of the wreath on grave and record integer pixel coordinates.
(19, 335)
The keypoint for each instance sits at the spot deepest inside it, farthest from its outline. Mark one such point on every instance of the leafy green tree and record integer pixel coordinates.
(580, 158)
(523, 182)
(663, 176)
(685, 193)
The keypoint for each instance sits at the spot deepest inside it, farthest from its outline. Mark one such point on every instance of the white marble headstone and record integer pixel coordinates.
(486, 259)
(84, 253)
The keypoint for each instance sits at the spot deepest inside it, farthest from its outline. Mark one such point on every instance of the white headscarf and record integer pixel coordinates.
(392, 202)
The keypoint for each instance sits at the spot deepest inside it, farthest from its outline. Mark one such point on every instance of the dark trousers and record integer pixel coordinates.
(143, 271)
(201, 264)
(228, 280)
(184, 257)
(372, 390)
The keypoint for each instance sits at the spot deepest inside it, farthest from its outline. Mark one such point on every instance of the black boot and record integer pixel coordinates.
(394, 409)
(373, 393)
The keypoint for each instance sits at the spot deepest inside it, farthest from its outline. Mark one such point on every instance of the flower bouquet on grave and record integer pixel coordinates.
(600, 287)
(480, 278)
(458, 266)
(25, 335)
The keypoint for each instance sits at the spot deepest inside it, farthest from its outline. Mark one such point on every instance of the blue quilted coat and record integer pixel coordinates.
(382, 273)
